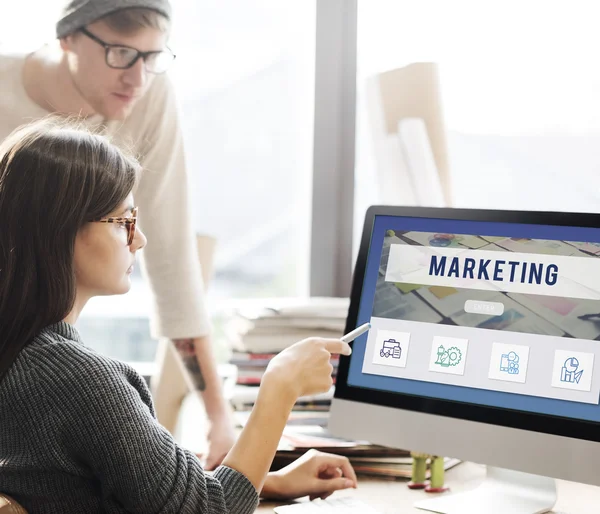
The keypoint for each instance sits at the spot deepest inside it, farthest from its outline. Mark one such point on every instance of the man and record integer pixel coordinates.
(109, 69)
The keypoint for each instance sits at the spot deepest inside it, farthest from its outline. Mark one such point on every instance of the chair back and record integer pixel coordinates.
(10, 506)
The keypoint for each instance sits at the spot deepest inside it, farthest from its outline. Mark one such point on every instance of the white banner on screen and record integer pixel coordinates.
(550, 275)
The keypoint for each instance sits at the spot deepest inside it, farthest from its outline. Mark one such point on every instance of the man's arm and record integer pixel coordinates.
(187, 351)
(170, 259)
(199, 361)
(203, 376)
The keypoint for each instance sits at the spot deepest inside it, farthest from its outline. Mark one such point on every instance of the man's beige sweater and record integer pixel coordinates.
(152, 133)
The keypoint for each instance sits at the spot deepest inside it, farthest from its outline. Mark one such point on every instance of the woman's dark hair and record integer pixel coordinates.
(54, 178)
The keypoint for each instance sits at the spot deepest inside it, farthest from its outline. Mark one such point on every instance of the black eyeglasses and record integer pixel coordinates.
(124, 57)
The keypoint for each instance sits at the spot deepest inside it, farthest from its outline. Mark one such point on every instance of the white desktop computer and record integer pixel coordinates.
(484, 346)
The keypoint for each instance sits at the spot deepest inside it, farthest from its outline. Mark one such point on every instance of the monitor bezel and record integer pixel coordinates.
(554, 425)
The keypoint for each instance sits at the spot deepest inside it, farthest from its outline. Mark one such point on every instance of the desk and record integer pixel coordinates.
(393, 497)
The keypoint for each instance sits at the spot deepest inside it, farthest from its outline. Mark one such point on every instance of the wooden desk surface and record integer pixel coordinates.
(393, 497)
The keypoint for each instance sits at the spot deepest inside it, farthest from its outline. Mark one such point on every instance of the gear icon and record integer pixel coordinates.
(450, 357)
(454, 356)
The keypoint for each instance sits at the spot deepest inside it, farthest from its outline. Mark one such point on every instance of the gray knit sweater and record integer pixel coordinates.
(78, 434)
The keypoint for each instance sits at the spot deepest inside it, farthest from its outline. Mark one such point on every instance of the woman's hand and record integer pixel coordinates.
(305, 367)
(302, 369)
(315, 474)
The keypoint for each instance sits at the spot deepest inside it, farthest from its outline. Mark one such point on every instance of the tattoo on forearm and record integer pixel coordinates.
(187, 351)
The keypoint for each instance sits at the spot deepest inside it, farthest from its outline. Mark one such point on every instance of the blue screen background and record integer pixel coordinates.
(512, 401)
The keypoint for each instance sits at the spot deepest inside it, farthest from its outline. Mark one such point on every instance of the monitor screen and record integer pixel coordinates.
(478, 319)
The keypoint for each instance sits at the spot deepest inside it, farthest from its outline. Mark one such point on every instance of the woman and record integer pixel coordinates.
(78, 431)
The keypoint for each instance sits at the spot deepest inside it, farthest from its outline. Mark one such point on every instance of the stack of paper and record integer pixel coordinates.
(271, 326)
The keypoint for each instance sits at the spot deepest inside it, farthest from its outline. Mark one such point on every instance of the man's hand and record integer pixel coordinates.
(315, 474)
(221, 438)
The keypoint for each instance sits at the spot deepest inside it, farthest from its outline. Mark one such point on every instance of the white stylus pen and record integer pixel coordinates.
(351, 336)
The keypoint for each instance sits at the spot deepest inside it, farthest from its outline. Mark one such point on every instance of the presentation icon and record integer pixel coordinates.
(570, 371)
(573, 370)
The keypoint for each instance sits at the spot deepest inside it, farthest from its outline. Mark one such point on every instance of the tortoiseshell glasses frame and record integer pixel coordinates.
(129, 222)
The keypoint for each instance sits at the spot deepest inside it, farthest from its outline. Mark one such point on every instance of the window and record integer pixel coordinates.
(520, 93)
(245, 81)
(244, 75)
(20, 31)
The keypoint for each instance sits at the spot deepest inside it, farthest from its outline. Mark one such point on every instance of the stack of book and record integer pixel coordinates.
(244, 398)
(259, 330)
(251, 366)
(271, 326)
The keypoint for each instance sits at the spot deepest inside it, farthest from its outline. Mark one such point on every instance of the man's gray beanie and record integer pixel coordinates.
(78, 13)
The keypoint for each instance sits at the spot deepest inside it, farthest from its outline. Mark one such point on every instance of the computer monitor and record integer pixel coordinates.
(484, 346)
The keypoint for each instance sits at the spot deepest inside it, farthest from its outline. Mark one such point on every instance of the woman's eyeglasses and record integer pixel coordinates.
(129, 222)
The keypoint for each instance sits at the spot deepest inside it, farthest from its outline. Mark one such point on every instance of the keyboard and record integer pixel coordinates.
(345, 505)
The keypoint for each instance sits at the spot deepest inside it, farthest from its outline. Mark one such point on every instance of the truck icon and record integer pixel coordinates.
(392, 348)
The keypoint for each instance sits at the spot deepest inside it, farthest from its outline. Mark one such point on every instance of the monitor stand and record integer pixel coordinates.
(502, 492)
